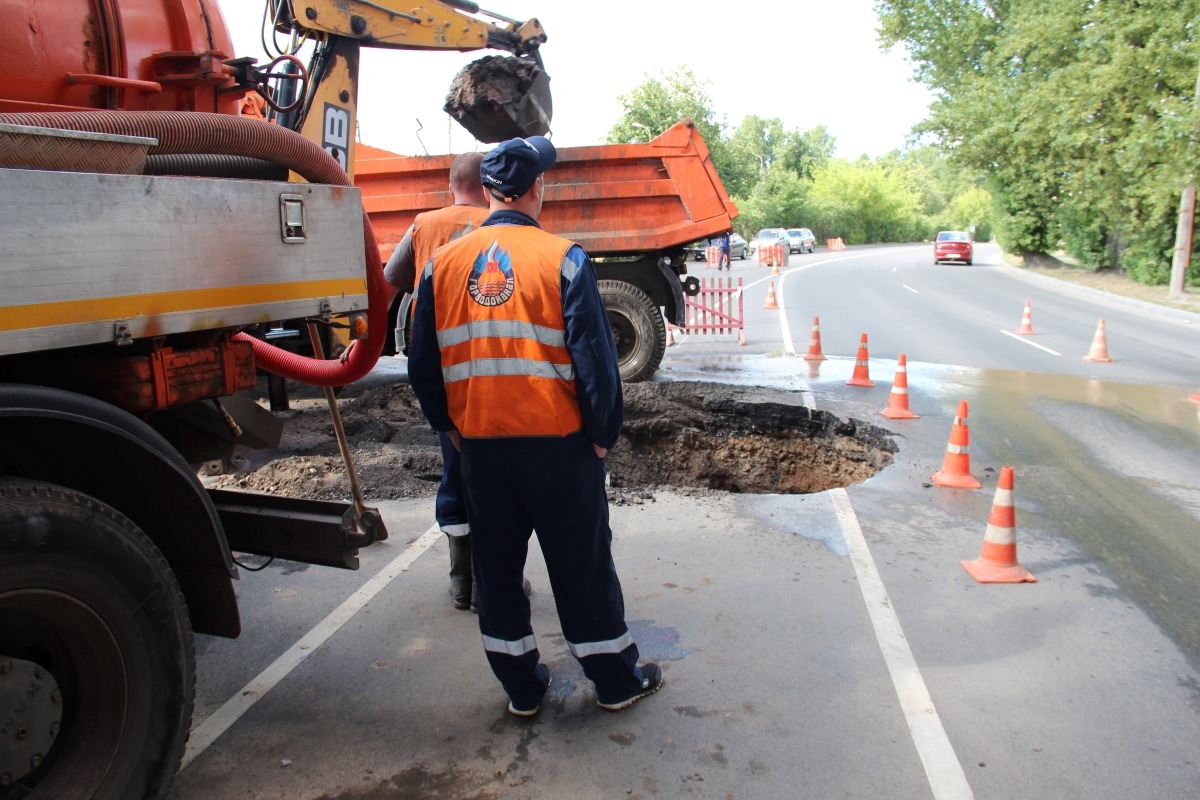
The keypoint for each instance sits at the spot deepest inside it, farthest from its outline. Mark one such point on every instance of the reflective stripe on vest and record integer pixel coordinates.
(501, 333)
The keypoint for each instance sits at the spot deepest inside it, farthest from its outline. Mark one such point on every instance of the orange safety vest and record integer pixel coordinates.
(432, 229)
(500, 329)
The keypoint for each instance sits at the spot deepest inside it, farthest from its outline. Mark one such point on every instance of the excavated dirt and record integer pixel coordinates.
(501, 97)
(694, 437)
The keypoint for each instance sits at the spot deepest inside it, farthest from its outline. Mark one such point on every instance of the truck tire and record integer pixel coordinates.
(88, 598)
(637, 326)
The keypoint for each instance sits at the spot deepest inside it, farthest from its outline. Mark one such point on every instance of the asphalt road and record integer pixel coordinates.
(1125, 429)
(824, 646)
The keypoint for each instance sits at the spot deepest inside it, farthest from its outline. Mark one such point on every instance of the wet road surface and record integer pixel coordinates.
(824, 645)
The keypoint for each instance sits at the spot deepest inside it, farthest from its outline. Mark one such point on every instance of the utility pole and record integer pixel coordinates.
(1182, 258)
(1183, 241)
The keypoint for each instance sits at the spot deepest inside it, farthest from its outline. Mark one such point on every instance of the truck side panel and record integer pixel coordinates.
(86, 254)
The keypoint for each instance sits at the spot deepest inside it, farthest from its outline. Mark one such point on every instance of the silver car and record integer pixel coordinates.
(801, 240)
(769, 236)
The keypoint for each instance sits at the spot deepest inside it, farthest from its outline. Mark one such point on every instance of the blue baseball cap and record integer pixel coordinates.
(510, 168)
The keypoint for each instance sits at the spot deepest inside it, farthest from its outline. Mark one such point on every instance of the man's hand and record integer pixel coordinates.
(346, 353)
(601, 452)
(455, 439)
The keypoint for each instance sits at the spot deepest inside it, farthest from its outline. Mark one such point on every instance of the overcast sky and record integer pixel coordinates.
(807, 63)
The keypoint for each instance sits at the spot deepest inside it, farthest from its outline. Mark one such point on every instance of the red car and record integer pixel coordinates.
(953, 246)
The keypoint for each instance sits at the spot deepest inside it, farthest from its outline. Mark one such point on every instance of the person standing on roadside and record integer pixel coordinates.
(429, 231)
(512, 356)
(724, 262)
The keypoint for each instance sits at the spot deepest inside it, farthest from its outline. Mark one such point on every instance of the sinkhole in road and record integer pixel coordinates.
(743, 439)
(689, 435)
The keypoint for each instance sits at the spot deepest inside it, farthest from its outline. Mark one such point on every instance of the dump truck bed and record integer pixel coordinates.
(613, 200)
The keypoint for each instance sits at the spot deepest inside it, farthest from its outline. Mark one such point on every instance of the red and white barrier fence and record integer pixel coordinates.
(773, 255)
(717, 309)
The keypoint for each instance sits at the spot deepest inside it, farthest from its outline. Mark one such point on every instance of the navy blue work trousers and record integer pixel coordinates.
(554, 486)
(450, 508)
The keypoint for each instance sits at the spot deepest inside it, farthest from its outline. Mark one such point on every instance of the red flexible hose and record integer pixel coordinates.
(200, 132)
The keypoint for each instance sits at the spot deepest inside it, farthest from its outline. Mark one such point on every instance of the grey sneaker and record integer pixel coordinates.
(652, 681)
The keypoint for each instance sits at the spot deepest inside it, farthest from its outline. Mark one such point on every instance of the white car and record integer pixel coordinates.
(769, 236)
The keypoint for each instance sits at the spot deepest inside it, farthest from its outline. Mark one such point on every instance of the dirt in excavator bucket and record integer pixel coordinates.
(501, 97)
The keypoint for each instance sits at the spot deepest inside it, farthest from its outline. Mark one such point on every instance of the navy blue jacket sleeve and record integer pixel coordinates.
(425, 357)
(593, 351)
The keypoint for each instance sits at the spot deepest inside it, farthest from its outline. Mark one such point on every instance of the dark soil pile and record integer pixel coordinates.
(690, 436)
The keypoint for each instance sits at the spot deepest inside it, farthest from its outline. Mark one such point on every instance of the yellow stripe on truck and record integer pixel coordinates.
(65, 312)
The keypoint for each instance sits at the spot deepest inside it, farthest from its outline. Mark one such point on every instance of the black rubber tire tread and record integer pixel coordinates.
(57, 541)
(641, 331)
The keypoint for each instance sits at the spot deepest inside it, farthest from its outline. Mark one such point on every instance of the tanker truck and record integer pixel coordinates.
(152, 235)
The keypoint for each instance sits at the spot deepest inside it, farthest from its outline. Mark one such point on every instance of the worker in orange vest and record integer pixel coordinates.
(429, 231)
(513, 357)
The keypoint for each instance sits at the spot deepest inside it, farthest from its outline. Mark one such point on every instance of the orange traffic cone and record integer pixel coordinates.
(956, 466)
(897, 407)
(775, 268)
(861, 376)
(1026, 328)
(1099, 349)
(997, 562)
(771, 304)
(814, 345)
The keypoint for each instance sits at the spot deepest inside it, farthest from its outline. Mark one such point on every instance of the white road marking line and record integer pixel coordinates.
(785, 331)
(224, 717)
(911, 289)
(942, 769)
(1031, 344)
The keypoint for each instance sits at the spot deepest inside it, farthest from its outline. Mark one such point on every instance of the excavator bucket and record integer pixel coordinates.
(501, 97)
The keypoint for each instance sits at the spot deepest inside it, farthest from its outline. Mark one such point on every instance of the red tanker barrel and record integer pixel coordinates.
(70, 55)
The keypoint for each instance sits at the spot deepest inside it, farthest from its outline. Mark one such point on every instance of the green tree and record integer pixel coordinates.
(782, 177)
(972, 211)
(804, 152)
(864, 201)
(1081, 114)
(779, 200)
(754, 147)
(660, 102)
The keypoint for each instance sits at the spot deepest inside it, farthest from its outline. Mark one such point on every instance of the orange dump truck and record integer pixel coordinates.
(632, 207)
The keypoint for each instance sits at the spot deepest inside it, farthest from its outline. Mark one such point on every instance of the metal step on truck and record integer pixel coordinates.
(633, 207)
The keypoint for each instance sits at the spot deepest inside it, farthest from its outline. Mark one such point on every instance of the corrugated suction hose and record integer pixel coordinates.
(200, 132)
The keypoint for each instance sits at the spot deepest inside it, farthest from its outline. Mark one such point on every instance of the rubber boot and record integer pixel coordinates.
(460, 571)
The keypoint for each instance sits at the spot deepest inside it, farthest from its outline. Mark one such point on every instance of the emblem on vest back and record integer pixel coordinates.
(491, 281)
